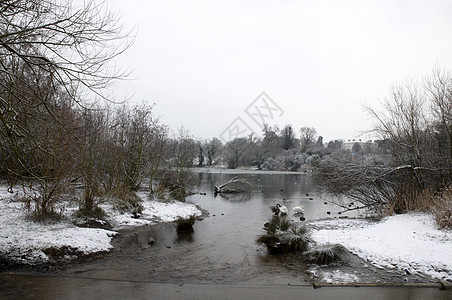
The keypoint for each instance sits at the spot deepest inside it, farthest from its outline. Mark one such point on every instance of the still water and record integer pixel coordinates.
(222, 248)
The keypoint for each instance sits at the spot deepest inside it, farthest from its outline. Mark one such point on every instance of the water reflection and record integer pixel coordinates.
(184, 237)
(269, 188)
(235, 197)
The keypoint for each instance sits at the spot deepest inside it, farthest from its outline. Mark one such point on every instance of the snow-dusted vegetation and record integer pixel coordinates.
(23, 240)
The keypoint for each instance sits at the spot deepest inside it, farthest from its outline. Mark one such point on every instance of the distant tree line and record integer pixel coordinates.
(275, 149)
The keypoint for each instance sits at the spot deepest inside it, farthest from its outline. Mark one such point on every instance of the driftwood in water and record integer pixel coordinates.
(235, 185)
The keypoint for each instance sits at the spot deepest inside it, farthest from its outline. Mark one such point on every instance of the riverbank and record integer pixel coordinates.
(410, 244)
(26, 242)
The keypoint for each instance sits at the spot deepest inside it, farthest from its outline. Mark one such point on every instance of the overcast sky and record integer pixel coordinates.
(205, 62)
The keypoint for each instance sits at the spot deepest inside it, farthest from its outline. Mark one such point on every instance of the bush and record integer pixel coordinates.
(269, 164)
(127, 201)
(277, 223)
(96, 212)
(283, 236)
(186, 225)
(176, 183)
(178, 192)
(42, 205)
(327, 254)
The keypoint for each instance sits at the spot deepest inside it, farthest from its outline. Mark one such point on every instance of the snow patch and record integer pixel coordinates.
(337, 276)
(23, 240)
(409, 242)
(153, 212)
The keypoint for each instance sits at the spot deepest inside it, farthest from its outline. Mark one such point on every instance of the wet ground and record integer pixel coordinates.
(175, 258)
(49, 287)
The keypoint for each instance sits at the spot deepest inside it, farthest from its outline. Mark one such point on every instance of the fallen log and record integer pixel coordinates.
(235, 185)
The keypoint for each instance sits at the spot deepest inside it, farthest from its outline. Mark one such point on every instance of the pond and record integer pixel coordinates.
(222, 248)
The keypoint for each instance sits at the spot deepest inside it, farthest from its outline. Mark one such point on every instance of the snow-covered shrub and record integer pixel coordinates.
(283, 236)
(313, 159)
(287, 160)
(269, 164)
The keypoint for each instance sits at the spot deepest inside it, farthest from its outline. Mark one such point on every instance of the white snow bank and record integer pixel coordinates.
(153, 212)
(409, 242)
(23, 240)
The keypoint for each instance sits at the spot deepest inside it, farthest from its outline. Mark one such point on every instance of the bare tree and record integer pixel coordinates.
(179, 176)
(234, 150)
(36, 125)
(439, 92)
(157, 152)
(51, 53)
(369, 182)
(271, 140)
(92, 133)
(258, 152)
(356, 148)
(213, 148)
(404, 125)
(307, 138)
(73, 43)
(399, 180)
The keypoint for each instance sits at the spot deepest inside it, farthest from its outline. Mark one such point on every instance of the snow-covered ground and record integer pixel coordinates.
(23, 240)
(409, 242)
(153, 212)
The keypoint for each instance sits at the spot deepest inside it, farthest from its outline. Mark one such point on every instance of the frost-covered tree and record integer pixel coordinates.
(307, 137)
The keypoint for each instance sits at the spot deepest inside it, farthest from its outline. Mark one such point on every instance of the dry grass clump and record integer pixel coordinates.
(127, 201)
(186, 225)
(438, 203)
(442, 208)
(327, 254)
(277, 223)
(96, 212)
(282, 236)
